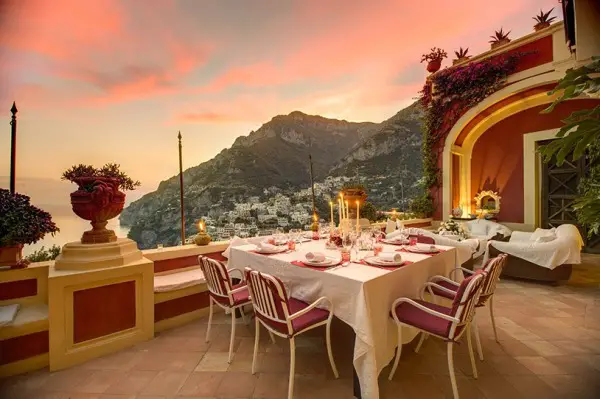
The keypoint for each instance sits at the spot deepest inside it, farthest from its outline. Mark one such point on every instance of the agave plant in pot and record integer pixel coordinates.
(434, 59)
(543, 20)
(98, 198)
(500, 38)
(20, 223)
(461, 55)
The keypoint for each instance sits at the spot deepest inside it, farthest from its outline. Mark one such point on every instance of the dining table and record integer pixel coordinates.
(361, 294)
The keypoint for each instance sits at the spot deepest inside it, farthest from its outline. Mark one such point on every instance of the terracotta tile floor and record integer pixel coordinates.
(549, 348)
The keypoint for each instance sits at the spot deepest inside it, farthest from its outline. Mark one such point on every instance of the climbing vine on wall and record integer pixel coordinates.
(451, 92)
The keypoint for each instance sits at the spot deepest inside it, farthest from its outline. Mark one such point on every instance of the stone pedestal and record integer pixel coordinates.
(101, 300)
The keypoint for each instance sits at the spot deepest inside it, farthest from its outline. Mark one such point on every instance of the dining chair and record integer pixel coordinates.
(446, 287)
(224, 293)
(286, 317)
(421, 239)
(447, 323)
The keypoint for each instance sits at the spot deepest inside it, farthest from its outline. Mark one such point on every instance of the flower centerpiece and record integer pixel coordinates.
(98, 197)
(452, 228)
(20, 223)
(434, 59)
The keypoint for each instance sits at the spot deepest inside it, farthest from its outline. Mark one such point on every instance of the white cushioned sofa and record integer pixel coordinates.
(545, 255)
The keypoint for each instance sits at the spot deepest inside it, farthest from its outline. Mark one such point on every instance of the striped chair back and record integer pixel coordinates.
(493, 268)
(463, 305)
(269, 298)
(217, 278)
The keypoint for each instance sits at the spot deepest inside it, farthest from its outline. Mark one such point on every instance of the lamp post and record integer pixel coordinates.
(13, 146)
(181, 192)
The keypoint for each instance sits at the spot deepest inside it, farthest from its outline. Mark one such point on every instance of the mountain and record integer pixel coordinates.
(273, 157)
(270, 165)
(389, 161)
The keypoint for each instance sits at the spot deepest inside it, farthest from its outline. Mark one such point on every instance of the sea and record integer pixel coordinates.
(53, 197)
(71, 228)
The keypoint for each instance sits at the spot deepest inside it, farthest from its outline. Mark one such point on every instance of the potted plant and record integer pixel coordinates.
(543, 20)
(499, 39)
(98, 197)
(434, 59)
(461, 55)
(20, 223)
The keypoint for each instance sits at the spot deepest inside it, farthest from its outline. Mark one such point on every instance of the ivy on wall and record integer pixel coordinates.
(448, 95)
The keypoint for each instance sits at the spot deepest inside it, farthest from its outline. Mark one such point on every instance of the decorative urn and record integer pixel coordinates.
(434, 65)
(98, 200)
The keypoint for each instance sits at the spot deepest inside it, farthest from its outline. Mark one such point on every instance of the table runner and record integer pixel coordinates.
(361, 295)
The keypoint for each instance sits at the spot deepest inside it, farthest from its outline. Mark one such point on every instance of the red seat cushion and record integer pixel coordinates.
(239, 298)
(446, 285)
(413, 316)
(313, 317)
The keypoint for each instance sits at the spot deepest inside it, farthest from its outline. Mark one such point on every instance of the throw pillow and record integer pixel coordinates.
(477, 228)
(545, 239)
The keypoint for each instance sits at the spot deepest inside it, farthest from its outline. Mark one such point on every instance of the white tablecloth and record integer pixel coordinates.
(361, 295)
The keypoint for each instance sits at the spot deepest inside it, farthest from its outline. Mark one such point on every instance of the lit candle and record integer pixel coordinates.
(340, 210)
(331, 209)
(357, 215)
(347, 210)
(201, 226)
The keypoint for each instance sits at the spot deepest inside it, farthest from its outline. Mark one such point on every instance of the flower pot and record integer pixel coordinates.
(98, 200)
(459, 60)
(12, 255)
(500, 43)
(434, 66)
(541, 25)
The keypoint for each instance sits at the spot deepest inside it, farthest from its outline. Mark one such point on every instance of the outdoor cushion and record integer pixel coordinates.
(314, 316)
(478, 229)
(413, 316)
(178, 280)
(542, 233)
(238, 297)
(8, 313)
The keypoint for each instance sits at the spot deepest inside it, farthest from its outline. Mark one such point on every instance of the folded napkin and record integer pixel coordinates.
(393, 234)
(265, 246)
(315, 256)
(424, 247)
(390, 257)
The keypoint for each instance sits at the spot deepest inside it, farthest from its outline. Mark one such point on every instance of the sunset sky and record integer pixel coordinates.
(113, 81)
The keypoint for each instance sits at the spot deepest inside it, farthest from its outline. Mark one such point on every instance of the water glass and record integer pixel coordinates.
(377, 248)
(345, 255)
(412, 241)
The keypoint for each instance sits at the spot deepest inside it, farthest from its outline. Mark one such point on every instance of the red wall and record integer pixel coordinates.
(497, 159)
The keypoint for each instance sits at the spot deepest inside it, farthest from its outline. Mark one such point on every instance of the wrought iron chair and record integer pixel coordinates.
(447, 323)
(447, 288)
(224, 293)
(285, 316)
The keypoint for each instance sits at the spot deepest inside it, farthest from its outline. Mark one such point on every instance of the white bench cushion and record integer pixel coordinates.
(179, 280)
(8, 314)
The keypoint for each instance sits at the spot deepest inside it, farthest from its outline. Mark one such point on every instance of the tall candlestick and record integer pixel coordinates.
(343, 208)
(340, 211)
(331, 209)
(347, 210)
(357, 215)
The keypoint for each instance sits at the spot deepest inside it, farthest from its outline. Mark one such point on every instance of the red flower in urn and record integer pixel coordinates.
(98, 198)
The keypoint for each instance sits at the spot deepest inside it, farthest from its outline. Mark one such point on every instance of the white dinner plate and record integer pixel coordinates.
(326, 263)
(394, 242)
(375, 260)
(273, 251)
(418, 250)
